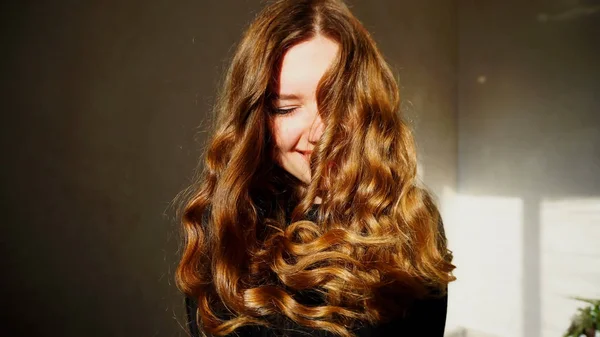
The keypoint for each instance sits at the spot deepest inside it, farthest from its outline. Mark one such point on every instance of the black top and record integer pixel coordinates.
(426, 317)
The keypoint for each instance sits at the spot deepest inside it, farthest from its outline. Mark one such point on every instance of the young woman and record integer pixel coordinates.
(307, 219)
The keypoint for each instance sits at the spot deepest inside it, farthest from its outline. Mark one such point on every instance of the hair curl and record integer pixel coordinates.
(377, 233)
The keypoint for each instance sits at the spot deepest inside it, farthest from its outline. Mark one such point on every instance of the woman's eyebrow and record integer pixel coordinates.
(287, 97)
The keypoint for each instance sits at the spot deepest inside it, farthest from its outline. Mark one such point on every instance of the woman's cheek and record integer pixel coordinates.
(288, 132)
(279, 132)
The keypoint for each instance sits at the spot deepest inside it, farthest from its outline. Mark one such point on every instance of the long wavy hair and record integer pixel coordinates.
(375, 243)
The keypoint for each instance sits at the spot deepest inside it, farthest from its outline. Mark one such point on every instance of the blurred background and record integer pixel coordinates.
(102, 103)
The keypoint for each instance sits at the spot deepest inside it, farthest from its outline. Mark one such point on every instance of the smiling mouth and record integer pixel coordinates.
(306, 155)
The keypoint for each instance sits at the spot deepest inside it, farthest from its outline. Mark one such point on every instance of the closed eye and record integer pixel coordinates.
(285, 111)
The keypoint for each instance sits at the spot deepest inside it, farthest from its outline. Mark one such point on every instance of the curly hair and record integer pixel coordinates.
(247, 251)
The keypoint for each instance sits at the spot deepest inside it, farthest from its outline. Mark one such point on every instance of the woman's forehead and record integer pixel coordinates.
(303, 66)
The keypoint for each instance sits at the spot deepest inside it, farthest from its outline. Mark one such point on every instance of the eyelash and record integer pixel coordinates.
(285, 111)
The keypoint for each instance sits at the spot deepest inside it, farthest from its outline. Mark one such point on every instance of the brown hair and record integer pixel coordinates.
(376, 234)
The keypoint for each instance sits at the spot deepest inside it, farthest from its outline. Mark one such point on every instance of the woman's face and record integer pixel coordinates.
(297, 125)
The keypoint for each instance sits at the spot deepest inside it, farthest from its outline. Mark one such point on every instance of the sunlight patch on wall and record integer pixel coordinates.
(486, 237)
(570, 259)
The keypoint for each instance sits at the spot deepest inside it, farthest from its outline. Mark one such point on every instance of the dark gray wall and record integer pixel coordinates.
(101, 100)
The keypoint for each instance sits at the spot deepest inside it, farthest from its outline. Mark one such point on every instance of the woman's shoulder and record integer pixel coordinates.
(425, 317)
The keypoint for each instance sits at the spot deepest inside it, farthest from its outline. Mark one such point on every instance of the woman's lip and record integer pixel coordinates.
(306, 155)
